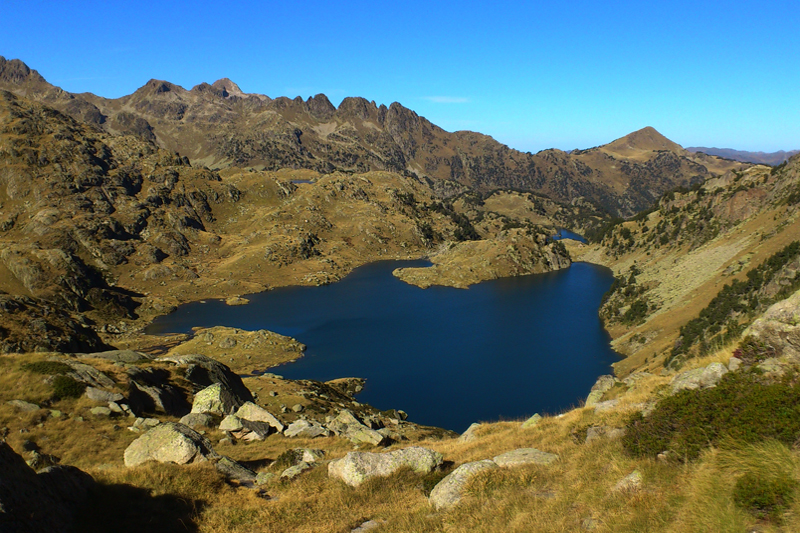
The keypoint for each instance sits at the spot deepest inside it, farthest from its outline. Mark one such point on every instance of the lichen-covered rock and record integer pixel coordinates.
(235, 471)
(295, 470)
(699, 378)
(605, 406)
(216, 399)
(599, 432)
(602, 385)
(99, 395)
(117, 356)
(524, 456)
(231, 423)
(308, 429)
(450, 490)
(630, 483)
(256, 413)
(469, 434)
(194, 420)
(357, 467)
(532, 421)
(347, 425)
(22, 405)
(170, 443)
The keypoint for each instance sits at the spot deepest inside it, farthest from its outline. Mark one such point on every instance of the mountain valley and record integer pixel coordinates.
(116, 211)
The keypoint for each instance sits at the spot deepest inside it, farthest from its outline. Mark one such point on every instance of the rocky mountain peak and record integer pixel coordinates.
(159, 87)
(357, 107)
(228, 88)
(320, 107)
(17, 72)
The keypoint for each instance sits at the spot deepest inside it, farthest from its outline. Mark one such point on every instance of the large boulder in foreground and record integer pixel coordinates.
(170, 443)
(216, 399)
(357, 467)
(449, 491)
(46, 501)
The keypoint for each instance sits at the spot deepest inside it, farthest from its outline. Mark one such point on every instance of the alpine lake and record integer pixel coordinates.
(500, 350)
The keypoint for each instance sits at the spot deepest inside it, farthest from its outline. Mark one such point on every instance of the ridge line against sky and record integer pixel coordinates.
(533, 75)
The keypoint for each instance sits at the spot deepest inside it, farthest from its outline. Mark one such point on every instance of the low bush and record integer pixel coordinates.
(741, 407)
(50, 368)
(764, 498)
(66, 387)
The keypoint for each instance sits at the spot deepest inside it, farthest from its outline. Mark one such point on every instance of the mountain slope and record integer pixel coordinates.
(672, 264)
(219, 126)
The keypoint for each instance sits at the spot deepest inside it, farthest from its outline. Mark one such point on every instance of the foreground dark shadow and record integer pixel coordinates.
(125, 508)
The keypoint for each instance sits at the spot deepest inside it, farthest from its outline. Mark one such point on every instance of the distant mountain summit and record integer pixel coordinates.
(219, 125)
(760, 158)
(645, 139)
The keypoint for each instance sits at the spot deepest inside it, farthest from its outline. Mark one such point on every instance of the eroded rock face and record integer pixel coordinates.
(449, 491)
(46, 501)
(204, 371)
(170, 443)
(357, 467)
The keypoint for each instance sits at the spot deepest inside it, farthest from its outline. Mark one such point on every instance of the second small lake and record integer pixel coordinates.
(502, 349)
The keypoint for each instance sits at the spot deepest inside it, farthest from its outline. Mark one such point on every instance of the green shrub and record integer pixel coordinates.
(66, 387)
(753, 351)
(740, 407)
(764, 497)
(50, 368)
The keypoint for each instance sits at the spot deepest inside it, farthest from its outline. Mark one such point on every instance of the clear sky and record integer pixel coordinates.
(533, 75)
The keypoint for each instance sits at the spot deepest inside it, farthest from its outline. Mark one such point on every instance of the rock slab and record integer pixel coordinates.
(525, 456)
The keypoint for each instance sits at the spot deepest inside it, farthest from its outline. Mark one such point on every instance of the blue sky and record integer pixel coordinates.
(533, 75)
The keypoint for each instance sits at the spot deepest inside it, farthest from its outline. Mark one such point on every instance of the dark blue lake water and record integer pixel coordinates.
(501, 349)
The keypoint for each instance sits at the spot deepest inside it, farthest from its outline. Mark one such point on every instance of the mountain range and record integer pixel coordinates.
(218, 125)
(759, 158)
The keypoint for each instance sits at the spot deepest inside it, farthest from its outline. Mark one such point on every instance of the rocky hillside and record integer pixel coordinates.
(100, 232)
(220, 126)
(695, 270)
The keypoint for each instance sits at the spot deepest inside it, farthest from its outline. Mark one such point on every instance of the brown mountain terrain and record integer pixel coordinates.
(220, 126)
